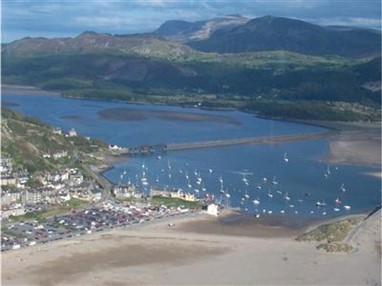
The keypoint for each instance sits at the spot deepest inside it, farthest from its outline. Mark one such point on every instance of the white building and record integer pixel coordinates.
(212, 209)
(72, 133)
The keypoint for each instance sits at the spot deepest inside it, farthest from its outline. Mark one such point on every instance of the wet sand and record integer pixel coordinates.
(155, 254)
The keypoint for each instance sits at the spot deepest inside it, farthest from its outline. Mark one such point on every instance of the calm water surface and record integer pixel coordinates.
(255, 178)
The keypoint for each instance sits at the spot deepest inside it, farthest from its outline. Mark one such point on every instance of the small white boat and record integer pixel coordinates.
(256, 202)
(320, 204)
(336, 209)
(274, 181)
(342, 188)
(286, 160)
(144, 181)
(282, 212)
(347, 207)
(286, 197)
(228, 195)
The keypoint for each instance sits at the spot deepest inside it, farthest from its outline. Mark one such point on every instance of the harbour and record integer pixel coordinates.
(241, 155)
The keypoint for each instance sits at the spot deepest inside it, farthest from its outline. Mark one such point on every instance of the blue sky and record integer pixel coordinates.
(68, 18)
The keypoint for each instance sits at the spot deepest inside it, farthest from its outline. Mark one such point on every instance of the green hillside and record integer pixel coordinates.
(26, 140)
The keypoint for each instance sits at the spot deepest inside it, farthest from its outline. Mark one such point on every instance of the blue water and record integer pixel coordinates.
(301, 178)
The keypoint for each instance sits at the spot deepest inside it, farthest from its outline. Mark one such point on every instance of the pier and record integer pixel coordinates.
(161, 148)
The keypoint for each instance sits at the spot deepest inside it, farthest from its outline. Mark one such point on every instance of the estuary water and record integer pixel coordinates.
(286, 179)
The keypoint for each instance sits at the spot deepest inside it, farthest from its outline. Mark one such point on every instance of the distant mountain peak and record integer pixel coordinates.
(183, 31)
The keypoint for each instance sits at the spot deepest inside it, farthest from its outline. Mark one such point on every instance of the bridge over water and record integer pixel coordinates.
(155, 149)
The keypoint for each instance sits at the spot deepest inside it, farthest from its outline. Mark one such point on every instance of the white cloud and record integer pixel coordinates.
(350, 21)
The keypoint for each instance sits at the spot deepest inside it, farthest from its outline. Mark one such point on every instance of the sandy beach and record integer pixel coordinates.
(156, 254)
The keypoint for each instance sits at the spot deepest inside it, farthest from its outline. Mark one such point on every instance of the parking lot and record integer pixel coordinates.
(106, 217)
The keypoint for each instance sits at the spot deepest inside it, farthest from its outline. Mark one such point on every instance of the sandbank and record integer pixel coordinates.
(361, 147)
(27, 90)
(132, 114)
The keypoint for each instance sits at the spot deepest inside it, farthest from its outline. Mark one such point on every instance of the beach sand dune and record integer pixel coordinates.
(156, 254)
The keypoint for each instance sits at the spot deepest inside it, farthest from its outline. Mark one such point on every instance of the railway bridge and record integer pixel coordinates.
(160, 148)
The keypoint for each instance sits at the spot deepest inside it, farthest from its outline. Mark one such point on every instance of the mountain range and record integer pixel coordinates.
(240, 62)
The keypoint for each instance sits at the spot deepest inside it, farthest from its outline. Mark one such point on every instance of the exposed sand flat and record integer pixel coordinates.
(155, 254)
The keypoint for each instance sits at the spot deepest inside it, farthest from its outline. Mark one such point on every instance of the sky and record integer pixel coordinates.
(68, 18)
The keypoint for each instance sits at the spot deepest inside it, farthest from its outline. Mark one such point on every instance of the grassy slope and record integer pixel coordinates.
(25, 140)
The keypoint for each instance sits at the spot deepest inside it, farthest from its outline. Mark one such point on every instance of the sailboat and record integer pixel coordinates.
(342, 188)
(274, 181)
(286, 197)
(144, 182)
(246, 195)
(286, 160)
(221, 185)
(270, 194)
(320, 204)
